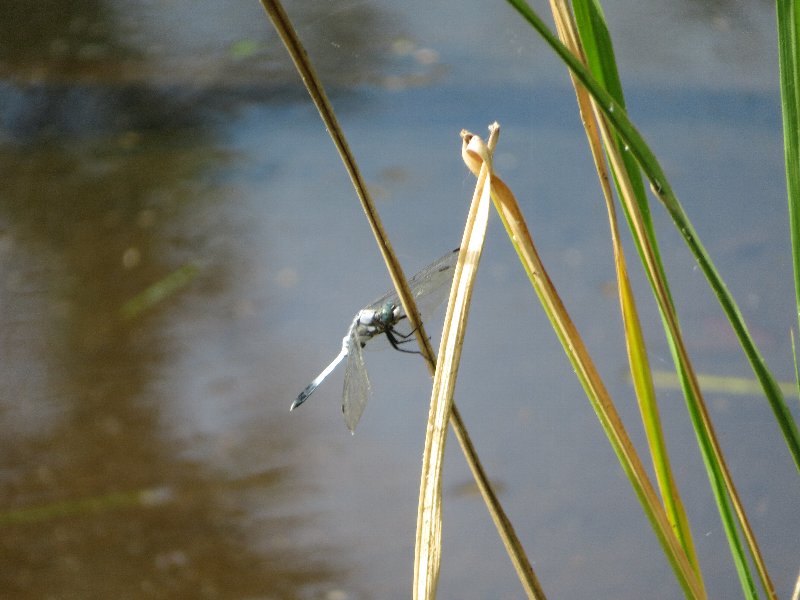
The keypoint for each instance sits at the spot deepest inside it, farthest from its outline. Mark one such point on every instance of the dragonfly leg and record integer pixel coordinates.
(405, 336)
(390, 335)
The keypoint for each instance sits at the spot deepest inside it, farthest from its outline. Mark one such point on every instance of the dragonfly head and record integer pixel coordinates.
(388, 313)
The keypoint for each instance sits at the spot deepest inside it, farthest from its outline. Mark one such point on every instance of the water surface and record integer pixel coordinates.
(148, 450)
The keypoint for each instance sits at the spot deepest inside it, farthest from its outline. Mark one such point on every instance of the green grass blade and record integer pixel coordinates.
(794, 360)
(652, 169)
(159, 291)
(81, 507)
(595, 389)
(603, 66)
(788, 17)
(599, 53)
(613, 110)
(723, 384)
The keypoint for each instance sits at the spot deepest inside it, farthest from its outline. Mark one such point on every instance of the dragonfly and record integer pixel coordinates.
(429, 288)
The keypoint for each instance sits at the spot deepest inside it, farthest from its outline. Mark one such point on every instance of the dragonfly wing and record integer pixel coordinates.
(356, 382)
(429, 286)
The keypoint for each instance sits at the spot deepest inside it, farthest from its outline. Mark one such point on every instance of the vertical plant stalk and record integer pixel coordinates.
(788, 22)
(427, 553)
(514, 222)
(614, 111)
(288, 35)
(634, 338)
(794, 360)
(719, 474)
(639, 149)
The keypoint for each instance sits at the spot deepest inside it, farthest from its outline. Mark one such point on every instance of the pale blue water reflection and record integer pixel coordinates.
(112, 186)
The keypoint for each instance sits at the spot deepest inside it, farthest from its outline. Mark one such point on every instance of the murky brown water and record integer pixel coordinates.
(90, 408)
(180, 253)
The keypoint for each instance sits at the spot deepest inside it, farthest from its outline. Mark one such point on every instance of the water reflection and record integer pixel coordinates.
(115, 481)
(53, 36)
(139, 141)
(86, 390)
(115, 66)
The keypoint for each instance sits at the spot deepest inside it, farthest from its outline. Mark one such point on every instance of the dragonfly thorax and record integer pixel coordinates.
(377, 321)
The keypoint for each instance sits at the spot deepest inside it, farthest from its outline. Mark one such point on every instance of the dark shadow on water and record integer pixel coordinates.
(111, 164)
(86, 398)
(77, 69)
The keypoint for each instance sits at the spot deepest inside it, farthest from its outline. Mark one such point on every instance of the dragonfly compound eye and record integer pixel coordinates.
(387, 315)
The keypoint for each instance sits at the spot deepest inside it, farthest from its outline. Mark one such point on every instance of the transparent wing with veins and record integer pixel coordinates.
(429, 288)
(356, 381)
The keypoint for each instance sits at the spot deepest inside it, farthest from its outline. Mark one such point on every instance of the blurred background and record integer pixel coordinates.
(181, 252)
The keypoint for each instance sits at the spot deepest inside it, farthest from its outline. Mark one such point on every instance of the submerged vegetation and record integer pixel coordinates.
(621, 157)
